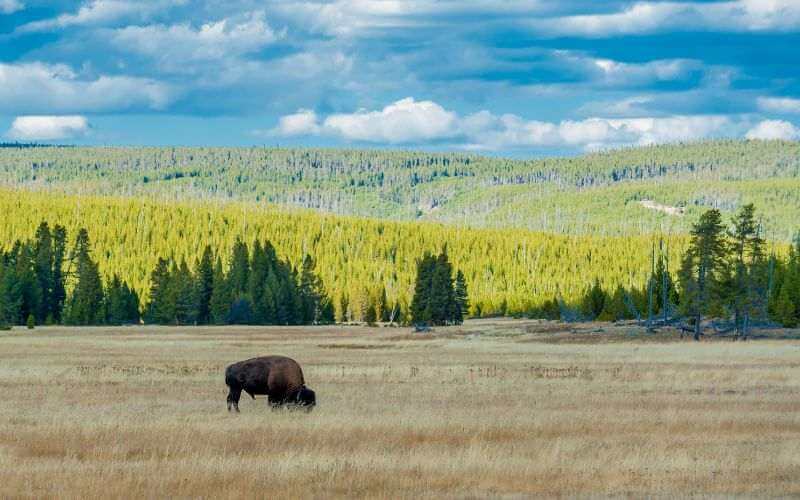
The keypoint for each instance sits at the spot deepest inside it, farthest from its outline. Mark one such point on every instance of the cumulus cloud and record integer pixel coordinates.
(417, 122)
(779, 104)
(651, 17)
(179, 44)
(38, 87)
(404, 121)
(303, 122)
(774, 129)
(10, 6)
(47, 128)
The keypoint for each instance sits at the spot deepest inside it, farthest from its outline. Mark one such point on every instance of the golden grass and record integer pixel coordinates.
(494, 408)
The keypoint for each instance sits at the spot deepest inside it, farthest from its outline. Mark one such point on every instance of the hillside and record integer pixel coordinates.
(507, 270)
(609, 193)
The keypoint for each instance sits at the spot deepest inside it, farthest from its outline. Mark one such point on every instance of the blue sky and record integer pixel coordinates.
(524, 78)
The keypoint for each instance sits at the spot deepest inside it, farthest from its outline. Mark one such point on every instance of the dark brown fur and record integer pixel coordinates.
(277, 377)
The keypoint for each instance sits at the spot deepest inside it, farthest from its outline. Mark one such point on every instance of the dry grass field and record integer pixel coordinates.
(493, 408)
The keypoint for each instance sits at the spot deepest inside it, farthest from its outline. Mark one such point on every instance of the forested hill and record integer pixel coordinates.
(632, 191)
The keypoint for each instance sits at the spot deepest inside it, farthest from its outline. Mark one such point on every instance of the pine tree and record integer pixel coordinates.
(122, 304)
(205, 286)
(461, 299)
(746, 276)
(43, 268)
(370, 315)
(701, 268)
(58, 295)
(159, 308)
(785, 309)
(221, 296)
(184, 293)
(256, 282)
(239, 269)
(593, 301)
(86, 305)
(327, 315)
(29, 290)
(311, 292)
(442, 298)
(614, 308)
(421, 310)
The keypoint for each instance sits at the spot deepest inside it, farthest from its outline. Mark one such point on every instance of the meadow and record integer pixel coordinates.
(490, 408)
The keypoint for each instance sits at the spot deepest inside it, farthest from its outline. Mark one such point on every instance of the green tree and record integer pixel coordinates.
(43, 268)
(160, 308)
(205, 286)
(184, 295)
(86, 305)
(421, 309)
(58, 295)
(239, 269)
(122, 303)
(747, 274)
(593, 301)
(311, 292)
(221, 296)
(461, 299)
(702, 269)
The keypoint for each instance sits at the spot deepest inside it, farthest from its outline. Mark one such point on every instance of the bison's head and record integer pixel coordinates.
(305, 398)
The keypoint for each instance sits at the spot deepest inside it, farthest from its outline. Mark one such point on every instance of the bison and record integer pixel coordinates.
(278, 377)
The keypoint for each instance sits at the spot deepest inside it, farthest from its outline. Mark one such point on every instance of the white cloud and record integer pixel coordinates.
(47, 128)
(10, 6)
(42, 88)
(774, 129)
(418, 122)
(304, 122)
(779, 104)
(180, 44)
(101, 12)
(405, 121)
(651, 17)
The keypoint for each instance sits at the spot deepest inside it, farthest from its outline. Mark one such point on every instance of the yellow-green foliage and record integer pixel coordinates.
(354, 256)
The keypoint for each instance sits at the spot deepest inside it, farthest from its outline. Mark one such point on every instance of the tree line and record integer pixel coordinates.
(256, 287)
(726, 273)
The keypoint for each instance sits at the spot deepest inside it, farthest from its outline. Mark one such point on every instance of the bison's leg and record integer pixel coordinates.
(274, 402)
(233, 398)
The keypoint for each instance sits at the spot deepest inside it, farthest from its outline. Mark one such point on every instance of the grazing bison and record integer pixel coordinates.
(278, 377)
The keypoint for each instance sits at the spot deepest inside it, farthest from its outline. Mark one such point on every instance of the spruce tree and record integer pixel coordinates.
(58, 295)
(593, 301)
(239, 268)
(159, 308)
(311, 292)
(122, 303)
(43, 268)
(86, 305)
(205, 286)
(184, 294)
(421, 311)
(256, 282)
(221, 296)
(461, 299)
(785, 309)
(702, 269)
